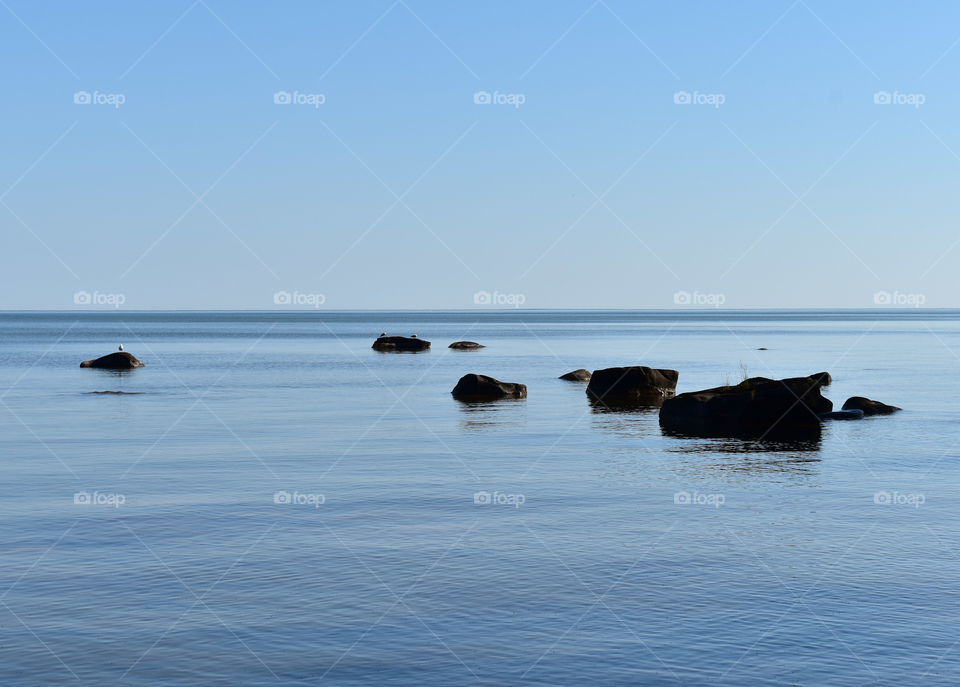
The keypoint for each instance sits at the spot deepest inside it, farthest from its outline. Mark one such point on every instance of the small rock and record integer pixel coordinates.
(580, 375)
(465, 346)
(868, 407)
(392, 344)
(113, 361)
(474, 387)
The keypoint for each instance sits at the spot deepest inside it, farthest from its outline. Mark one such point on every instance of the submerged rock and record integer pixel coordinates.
(465, 346)
(756, 407)
(580, 375)
(851, 414)
(113, 361)
(631, 385)
(868, 406)
(400, 343)
(474, 387)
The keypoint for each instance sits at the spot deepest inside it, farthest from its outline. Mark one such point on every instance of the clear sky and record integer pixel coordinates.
(582, 183)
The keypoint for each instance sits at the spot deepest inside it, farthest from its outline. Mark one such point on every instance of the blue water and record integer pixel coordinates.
(185, 571)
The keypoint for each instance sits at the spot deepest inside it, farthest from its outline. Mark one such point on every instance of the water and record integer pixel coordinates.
(784, 570)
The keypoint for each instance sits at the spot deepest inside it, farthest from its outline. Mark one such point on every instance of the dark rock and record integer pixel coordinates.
(757, 407)
(852, 414)
(473, 387)
(400, 343)
(631, 385)
(868, 407)
(823, 378)
(465, 345)
(113, 361)
(763, 349)
(580, 375)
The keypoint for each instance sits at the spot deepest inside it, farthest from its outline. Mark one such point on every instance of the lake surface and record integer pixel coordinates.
(271, 502)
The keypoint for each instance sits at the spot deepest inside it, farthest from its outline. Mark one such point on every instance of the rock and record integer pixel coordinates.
(757, 407)
(113, 361)
(631, 385)
(465, 345)
(868, 407)
(823, 377)
(473, 387)
(762, 348)
(580, 375)
(400, 343)
(854, 414)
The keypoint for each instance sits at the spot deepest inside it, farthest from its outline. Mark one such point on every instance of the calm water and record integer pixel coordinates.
(184, 570)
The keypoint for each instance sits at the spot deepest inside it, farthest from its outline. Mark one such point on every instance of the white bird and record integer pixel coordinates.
(121, 347)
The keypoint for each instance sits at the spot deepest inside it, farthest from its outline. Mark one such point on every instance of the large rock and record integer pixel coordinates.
(473, 387)
(868, 407)
(628, 385)
(113, 361)
(756, 407)
(400, 343)
(580, 375)
(465, 346)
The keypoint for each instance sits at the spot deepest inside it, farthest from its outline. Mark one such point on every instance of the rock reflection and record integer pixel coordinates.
(483, 415)
(791, 464)
(750, 441)
(620, 406)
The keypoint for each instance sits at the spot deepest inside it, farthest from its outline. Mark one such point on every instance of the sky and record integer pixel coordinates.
(453, 155)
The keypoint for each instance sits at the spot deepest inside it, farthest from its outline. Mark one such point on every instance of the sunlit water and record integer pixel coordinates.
(184, 570)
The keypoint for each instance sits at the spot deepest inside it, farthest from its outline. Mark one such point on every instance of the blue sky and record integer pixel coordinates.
(589, 186)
